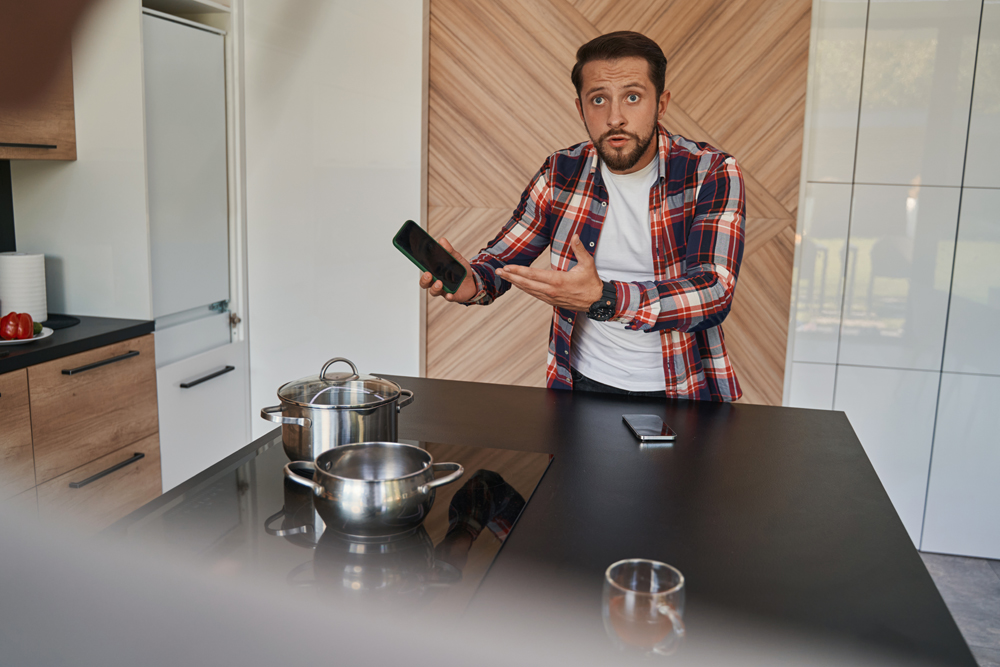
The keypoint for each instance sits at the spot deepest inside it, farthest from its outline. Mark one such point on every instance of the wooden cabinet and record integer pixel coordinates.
(99, 493)
(91, 404)
(17, 468)
(44, 129)
(84, 429)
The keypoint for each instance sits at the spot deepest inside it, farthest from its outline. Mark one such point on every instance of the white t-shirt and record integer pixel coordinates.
(607, 351)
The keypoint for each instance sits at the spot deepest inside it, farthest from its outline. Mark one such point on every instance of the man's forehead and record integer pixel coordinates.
(620, 71)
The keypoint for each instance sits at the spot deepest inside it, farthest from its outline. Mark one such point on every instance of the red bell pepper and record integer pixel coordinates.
(25, 327)
(8, 326)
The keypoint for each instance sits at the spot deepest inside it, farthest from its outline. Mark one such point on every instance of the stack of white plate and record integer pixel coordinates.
(22, 284)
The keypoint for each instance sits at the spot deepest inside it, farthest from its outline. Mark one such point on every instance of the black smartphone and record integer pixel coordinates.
(649, 428)
(429, 255)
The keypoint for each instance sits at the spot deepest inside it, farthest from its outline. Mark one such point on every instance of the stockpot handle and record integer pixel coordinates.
(406, 401)
(299, 479)
(354, 369)
(447, 479)
(273, 414)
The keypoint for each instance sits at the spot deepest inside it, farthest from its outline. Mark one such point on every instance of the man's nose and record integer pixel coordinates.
(616, 118)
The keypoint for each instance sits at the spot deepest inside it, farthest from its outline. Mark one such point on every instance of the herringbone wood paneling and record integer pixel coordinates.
(500, 101)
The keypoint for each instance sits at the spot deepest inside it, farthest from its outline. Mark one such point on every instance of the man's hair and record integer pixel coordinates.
(622, 44)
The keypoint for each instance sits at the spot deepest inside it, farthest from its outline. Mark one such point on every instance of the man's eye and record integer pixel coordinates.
(633, 98)
(598, 100)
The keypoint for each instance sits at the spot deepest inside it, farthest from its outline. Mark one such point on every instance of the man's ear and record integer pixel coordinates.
(579, 109)
(661, 105)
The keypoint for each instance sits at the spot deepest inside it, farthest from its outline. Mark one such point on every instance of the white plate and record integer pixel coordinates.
(46, 332)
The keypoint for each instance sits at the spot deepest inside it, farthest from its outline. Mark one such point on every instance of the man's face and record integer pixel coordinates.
(619, 108)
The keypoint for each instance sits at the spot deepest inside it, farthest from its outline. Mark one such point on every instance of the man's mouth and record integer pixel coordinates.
(617, 140)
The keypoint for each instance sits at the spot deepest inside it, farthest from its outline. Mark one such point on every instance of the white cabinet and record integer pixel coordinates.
(834, 89)
(974, 316)
(892, 412)
(812, 386)
(820, 272)
(963, 498)
(984, 122)
(898, 275)
(185, 89)
(204, 421)
(917, 91)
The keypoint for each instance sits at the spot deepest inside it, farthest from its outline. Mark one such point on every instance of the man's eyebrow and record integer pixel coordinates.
(631, 84)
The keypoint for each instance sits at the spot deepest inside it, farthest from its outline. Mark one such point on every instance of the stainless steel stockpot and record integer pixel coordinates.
(327, 410)
(374, 489)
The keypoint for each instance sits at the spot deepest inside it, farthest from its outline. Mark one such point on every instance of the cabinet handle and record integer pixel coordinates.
(96, 364)
(117, 466)
(188, 385)
(9, 145)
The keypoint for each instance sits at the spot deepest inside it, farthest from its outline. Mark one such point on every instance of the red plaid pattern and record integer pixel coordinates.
(697, 218)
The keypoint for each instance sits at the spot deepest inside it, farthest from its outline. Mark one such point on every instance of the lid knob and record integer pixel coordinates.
(339, 377)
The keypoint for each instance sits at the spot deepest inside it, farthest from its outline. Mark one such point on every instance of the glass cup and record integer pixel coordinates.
(643, 606)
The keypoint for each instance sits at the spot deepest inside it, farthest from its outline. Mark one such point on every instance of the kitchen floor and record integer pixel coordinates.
(971, 589)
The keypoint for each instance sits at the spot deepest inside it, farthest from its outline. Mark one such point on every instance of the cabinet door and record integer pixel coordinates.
(88, 500)
(206, 420)
(963, 497)
(91, 404)
(17, 464)
(186, 165)
(44, 129)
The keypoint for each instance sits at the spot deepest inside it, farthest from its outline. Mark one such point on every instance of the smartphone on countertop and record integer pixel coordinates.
(429, 255)
(649, 428)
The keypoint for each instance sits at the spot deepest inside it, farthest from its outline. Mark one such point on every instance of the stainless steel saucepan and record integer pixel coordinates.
(331, 409)
(374, 488)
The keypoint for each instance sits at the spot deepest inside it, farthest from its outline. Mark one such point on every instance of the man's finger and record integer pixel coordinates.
(582, 256)
(526, 284)
(547, 276)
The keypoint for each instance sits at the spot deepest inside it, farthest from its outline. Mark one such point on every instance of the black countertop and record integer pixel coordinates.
(772, 514)
(90, 333)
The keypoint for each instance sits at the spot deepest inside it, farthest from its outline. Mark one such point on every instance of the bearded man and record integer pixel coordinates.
(646, 231)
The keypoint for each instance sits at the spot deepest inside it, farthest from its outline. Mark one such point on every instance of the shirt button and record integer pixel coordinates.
(604, 203)
(591, 244)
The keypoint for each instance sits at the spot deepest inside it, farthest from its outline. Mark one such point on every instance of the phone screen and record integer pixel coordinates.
(421, 248)
(649, 427)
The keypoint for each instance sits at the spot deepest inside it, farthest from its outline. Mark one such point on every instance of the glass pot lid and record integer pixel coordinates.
(339, 390)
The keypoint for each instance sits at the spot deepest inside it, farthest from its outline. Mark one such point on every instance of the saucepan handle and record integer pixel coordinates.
(405, 401)
(447, 479)
(299, 479)
(273, 414)
(281, 532)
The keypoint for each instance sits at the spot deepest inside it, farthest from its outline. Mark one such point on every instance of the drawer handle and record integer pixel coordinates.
(188, 385)
(10, 145)
(97, 364)
(117, 466)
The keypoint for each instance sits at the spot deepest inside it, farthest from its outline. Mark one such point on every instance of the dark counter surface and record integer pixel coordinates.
(90, 333)
(772, 514)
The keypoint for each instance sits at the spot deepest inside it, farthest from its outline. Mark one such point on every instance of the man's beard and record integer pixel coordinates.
(617, 159)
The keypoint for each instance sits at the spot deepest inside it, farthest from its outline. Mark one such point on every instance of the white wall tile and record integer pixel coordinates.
(984, 127)
(974, 317)
(897, 276)
(819, 275)
(963, 500)
(917, 91)
(333, 132)
(812, 386)
(834, 89)
(892, 412)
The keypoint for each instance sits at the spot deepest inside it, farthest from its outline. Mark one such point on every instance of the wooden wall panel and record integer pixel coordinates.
(500, 101)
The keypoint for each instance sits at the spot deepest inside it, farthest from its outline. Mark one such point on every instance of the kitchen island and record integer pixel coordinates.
(773, 514)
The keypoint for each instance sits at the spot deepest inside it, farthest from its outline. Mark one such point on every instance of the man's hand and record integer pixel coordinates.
(575, 289)
(464, 293)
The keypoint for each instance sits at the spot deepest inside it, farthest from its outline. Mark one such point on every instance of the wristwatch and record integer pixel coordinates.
(603, 309)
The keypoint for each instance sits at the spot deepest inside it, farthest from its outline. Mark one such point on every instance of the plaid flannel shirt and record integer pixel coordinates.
(697, 216)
